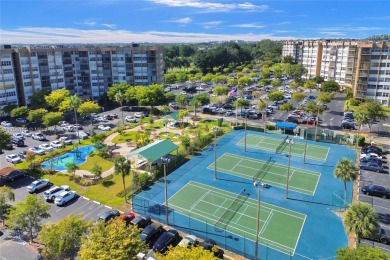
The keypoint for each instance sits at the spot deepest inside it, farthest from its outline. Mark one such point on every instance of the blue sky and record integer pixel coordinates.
(184, 21)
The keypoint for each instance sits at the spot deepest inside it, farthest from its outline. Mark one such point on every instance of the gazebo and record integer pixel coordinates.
(283, 126)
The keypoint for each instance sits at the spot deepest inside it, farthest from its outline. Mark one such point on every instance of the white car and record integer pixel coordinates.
(131, 119)
(37, 150)
(56, 144)
(38, 185)
(140, 163)
(138, 115)
(200, 88)
(65, 139)
(183, 93)
(6, 124)
(13, 158)
(370, 155)
(18, 136)
(26, 133)
(69, 128)
(287, 96)
(188, 241)
(63, 123)
(53, 192)
(39, 136)
(46, 147)
(104, 127)
(64, 197)
(21, 120)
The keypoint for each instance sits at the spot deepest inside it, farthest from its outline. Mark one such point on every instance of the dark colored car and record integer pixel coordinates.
(371, 159)
(376, 190)
(351, 126)
(141, 221)
(207, 110)
(227, 106)
(372, 147)
(208, 244)
(14, 175)
(150, 232)
(127, 217)
(165, 240)
(108, 215)
(292, 119)
(371, 166)
(383, 236)
(18, 142)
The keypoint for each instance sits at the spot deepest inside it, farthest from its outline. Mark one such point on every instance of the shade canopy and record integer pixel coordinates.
(286, 125)
(154, 151)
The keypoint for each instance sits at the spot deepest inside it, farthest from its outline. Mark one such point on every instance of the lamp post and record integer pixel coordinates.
(246, 120)
(257, 186)
(291, 142)
(165, 161)
(215, 129)
(304, 153)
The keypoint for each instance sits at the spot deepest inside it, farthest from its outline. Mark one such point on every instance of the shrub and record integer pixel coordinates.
(220, 121)
(271, 127)
(354, 102)
(361, 141)
(143, 179)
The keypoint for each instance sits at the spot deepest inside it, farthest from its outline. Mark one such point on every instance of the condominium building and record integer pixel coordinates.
(87, 71)
(362, 66)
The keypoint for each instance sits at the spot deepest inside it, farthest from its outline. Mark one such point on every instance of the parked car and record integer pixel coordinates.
(38, 185)
(141, 221)
(26, 133)
(13, 158)
(371, 166)
(18, 142)
(64, 197)
(165, 240)
(208, 244)
(351, 126)
(373, 148)
(150, 232)
(376, 190)
(127, 217)
(370, 155)
(37, 150)
(108, 215)
(15, 174)
(69, 128)
(18, 135)
(292, 119)
(78, 127)
(189, 241)
(373, 159)
(63, 123)
(383, 236)
(22, 154)
(39, 136)
(138, 115)
(65, 139)
(6, 124)
(21, 120)
(104, 127)
(56, 144)
(46, 147)
(51, 194)
(131, 119)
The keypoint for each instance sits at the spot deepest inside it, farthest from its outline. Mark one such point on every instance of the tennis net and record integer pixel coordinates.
(263, 170)
(282, 145)
(229, 213)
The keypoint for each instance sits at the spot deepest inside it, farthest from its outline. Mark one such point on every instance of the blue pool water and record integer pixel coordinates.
(77, 156)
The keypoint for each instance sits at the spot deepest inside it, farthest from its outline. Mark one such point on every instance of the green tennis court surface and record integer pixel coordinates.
(275, 174)
(315, 152)
(279, 228)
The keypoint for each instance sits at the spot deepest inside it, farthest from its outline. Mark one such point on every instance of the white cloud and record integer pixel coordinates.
(185, 20)
(351, 29)
(109, 25)
(90, 23)
(47, 35)
(212, 7)
(248, 25)
(211, 24)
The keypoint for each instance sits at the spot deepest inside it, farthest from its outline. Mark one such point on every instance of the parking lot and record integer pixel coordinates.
(381, 205)
(90, 210)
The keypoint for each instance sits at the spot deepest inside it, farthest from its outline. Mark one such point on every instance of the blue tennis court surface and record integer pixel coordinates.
(198, 203)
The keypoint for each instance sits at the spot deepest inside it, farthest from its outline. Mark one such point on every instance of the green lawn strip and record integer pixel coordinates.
(127, 136)
(95, 158)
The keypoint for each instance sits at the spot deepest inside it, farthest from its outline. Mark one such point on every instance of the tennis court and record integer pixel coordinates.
(315, 152)
(300, 180)
(279, 228)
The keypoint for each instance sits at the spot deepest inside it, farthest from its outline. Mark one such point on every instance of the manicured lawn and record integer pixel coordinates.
(95, 158)
(127, 136)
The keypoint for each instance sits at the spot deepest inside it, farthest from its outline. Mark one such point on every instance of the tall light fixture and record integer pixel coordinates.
(165, 162)
(215, 129)
(257, 186)
(246, 121)
(291, 143)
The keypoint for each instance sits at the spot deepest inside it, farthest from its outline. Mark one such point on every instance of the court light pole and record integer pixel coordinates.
(304, 152)
(246, 120)
(257, 186)
(291, 143)
(215, 129)
(165, 161)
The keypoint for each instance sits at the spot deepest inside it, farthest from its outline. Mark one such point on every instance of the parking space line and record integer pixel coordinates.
(92, 211)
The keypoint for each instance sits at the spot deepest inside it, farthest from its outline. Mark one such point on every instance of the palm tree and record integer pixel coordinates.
(362, 220)
(361, 118)
(262, 105)
(71, 168)
(120, 97)
(346, 171)
(74, 103)
(122, 166)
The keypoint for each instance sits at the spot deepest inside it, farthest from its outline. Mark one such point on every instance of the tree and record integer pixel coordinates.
(286, 107)
(63, 239)
(71, 168)
(120, 98)
(314, 108)
(325, 98)
(36, 114)
(165, 109)
(189, 253)
(310, 84)
(195, 103)
(6, 195)
(244, 81)
(55, 98)
(318, 79)
(276, 83)
(96, 169)
(181, 100)
(37, 98)
(374, 111)
(20, 112)
(74, 103)
(28, 214)
(117, 88)
(87, 108)
(348, 93)
(52, 118)
(202, 98)
(113, 241)
(330, 86)
(265, 73)
(122, 166)
(182, 114)
(276, 96)
(170, 78)
(361, 253)
(298, 96)
(5, 139)
(221, 90)
(346, 171)
(361, 118)
(152, 96)
(361, 219)
(296, 71)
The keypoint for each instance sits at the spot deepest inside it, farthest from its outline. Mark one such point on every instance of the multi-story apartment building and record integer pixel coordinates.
(365, 67)
(86, 71)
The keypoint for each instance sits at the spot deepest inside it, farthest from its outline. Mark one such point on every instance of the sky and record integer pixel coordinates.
(188, 21)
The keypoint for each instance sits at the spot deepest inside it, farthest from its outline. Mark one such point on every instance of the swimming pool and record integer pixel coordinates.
(77, 156)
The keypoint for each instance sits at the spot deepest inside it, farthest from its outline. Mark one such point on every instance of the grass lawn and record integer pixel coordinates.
(127, 136)
(95, 158)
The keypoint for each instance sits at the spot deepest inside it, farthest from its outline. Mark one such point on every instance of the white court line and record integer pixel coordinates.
(299, 236)
(316, 145)
(219, 206)
(241, 214)
(289, 179)
(199, 200)
(235, 164)
(266, 223)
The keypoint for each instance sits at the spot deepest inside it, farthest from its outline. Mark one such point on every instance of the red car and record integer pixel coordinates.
(127, 217)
